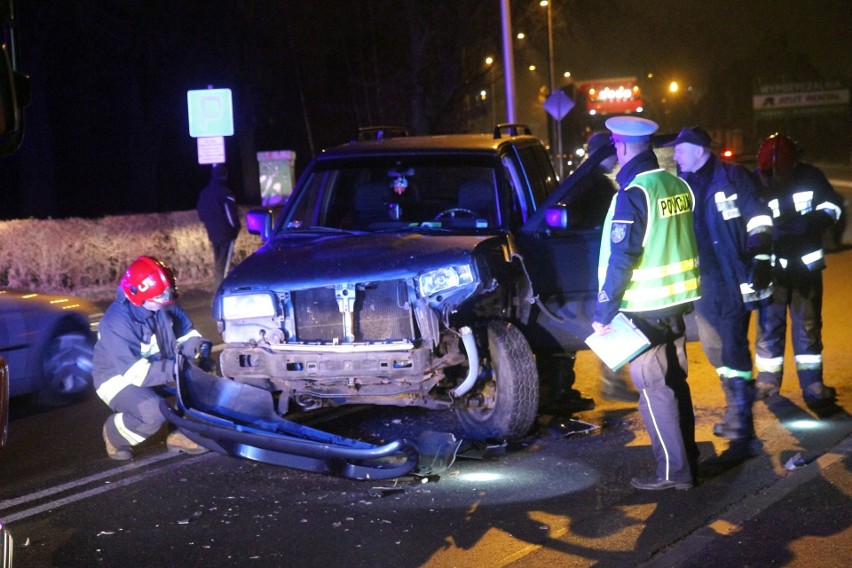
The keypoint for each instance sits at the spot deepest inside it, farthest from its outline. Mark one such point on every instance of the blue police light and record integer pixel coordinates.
(210, 113)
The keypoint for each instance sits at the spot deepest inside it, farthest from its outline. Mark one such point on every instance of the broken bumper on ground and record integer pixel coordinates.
(239, 420)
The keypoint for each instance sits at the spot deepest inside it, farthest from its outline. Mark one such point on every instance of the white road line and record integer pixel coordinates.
(109, 486)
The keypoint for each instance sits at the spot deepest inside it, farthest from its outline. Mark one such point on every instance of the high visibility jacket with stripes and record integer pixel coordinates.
(665, 273)
(803, 207)
(137, 346)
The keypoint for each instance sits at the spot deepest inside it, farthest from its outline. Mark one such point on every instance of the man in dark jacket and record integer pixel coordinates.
(588, 203)
(138, 340)
(803, 205)
(217, 209)
(733, 229)
(589, 200)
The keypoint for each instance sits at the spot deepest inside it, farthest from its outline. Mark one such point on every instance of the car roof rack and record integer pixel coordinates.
(512, 129)
(381, 132)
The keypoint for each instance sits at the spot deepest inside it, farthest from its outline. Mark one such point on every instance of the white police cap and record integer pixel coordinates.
(631, 128)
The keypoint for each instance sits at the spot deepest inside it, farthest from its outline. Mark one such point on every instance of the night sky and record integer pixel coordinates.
(107, 128)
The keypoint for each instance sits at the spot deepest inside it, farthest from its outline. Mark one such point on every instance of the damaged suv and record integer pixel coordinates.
(437, 271)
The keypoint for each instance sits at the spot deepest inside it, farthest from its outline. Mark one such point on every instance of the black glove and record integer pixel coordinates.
(196, 347)
(761, 274)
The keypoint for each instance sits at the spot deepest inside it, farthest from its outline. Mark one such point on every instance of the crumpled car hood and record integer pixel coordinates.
(304, 260)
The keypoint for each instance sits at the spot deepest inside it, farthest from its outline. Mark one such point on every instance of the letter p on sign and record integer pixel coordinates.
(210, 113)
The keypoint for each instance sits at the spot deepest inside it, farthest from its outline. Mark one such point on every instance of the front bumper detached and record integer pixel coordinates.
(239, 420)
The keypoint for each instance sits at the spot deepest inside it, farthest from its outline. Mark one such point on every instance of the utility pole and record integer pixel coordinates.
(557, 148)
(508, 59)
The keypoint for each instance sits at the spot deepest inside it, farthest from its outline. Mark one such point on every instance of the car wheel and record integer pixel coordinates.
(503, 404)
(67, 368)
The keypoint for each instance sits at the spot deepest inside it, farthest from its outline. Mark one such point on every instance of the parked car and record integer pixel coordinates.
(435, 271)
(47, 341)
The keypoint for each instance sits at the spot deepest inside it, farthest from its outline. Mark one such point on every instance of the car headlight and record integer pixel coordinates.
(245, 306)
(445, 278)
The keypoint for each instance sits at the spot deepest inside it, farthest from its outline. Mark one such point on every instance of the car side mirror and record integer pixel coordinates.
(259, 222)
(556, 217)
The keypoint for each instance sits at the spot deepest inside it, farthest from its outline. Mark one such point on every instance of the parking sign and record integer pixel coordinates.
(210, 113)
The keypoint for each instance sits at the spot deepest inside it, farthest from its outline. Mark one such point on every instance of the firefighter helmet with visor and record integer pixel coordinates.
(149, 280)
(777, 156)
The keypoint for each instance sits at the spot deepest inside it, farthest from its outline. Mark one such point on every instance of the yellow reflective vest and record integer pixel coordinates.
(667, 272)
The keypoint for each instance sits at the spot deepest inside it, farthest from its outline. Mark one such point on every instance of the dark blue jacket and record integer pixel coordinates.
(217, 209)
(803, 206)
(732, 225)
(137, 346)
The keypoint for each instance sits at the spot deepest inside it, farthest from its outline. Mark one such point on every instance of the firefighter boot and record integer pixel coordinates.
(738, 422)
(178, 442)
(817, 395)
(119, 454)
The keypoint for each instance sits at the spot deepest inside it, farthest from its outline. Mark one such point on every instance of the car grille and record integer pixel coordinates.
(381, 313)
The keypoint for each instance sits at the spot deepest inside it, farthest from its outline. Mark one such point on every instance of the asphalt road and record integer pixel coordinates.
(557, 498)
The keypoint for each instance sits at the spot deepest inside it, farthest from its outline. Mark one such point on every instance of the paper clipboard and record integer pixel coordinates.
(619, 346)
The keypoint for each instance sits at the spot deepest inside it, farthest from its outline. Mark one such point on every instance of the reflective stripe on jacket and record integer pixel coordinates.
(667, 272)
(740, 228)
(137, 346)
(803, 206)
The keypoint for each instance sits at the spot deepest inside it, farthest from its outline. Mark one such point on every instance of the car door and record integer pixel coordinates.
(561, 260)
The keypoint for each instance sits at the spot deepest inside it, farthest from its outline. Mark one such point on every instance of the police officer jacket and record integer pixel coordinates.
(738, 228)
(137, 346)
(803, 206)
(648, 254)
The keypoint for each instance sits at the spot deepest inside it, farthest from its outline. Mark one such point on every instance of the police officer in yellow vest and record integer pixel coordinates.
(649, 271)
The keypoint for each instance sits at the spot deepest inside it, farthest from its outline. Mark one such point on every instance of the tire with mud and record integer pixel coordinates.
(504, 402)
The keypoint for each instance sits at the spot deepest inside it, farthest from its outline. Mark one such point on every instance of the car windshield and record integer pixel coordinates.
(393, 193)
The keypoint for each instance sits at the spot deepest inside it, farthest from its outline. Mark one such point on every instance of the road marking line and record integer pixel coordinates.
(109, 486)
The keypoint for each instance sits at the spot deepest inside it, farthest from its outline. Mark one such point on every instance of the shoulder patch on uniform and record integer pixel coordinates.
(619, 231)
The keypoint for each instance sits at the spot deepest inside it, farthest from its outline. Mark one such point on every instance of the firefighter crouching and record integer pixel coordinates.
(803, 205)
(134, 358)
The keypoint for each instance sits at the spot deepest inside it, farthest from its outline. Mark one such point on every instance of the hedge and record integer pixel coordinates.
(86, 257)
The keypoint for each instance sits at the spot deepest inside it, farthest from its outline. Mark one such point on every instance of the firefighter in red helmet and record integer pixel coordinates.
(804, 205)
(138, 340)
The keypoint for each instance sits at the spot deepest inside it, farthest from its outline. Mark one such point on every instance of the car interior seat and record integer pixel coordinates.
(478, 196)
(371, 203)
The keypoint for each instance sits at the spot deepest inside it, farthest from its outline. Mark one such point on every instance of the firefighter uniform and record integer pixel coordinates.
(733, 229)
(134, 355)
(803, 206)
(649, 270)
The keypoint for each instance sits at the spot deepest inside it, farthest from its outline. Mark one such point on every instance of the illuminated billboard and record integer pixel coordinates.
(619, 95)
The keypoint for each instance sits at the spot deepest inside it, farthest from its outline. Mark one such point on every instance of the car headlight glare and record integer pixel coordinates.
(245, 306)
(445, 278)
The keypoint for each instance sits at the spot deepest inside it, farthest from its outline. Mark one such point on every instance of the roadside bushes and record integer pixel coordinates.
(86, 257)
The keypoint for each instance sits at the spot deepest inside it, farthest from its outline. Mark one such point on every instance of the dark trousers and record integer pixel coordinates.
(665, 401)
(723, 331)
(137, 416)
(802, 297)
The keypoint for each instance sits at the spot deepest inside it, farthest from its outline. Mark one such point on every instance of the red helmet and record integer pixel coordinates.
(777, 156)
(147, 279)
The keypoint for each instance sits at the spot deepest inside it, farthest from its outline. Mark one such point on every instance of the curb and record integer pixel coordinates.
(732, 520)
